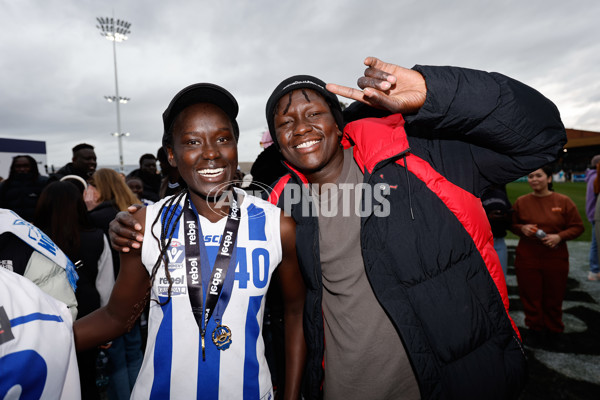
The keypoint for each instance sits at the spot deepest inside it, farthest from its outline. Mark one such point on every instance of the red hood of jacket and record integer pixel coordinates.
(375, 139)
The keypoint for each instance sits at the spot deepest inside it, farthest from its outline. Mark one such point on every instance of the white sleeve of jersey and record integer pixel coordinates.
(105, 280)
(37, 350)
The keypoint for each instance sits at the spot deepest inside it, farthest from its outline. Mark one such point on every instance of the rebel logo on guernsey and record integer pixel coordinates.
(176, 281)
(178, 287)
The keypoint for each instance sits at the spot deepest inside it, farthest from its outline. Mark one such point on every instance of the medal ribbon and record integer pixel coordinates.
(199, 279)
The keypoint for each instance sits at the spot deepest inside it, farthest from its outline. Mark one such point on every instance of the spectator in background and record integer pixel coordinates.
(62, 215)
(171, 182)
(82, 164)
(268, 166)
(113, 196)
(544, 220)
(21, 191)
(125, 353)
(137, 187)
(149, 176)
(591, 195)
(499, 213)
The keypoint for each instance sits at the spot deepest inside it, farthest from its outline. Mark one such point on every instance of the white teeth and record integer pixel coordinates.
(307, 144)
(211, 172)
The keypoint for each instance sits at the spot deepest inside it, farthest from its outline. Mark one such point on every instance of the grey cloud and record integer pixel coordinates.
(56, 68)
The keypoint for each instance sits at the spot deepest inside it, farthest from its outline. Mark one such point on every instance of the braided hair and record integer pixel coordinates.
(169, 223)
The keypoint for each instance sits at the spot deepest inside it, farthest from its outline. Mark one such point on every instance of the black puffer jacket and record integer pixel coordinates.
(69, 169)
(431, 261)
(21, 194)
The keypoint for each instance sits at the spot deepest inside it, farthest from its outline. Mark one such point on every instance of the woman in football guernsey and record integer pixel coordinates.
(206, 263)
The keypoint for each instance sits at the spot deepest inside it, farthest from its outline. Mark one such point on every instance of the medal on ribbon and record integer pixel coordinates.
(213, 284)
(221, 337)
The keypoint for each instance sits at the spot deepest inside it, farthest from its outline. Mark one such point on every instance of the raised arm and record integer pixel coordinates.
(474, 127)
(387, 86)
(293, 291)
(125, 305)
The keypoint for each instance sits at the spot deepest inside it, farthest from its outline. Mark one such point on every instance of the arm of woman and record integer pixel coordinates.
(573, 226)
(126, 302)
(519, 227)
(293, 291)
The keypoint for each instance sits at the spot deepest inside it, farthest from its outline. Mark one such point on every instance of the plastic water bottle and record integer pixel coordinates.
(540, 234)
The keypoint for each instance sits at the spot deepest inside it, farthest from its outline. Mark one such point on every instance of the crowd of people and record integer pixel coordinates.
(373, 266)
(73, 208)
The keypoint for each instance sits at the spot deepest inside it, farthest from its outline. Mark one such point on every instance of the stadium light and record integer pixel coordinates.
(116, 31)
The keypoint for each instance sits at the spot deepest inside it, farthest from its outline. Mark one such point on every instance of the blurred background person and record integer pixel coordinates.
(591, 196)
(137, 187)
(125, 353)
(171, 182)
(62, 215)
(148, 174)
(113, 195)
(544, 220)
(21, 191)
(499, 212)
(83, 163)
(268, 166)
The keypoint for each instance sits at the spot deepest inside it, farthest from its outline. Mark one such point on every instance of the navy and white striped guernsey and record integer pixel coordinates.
(37, 349)
(173, 366)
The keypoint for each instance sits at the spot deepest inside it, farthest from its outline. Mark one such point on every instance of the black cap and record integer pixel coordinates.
(302, 82)
(201, 93)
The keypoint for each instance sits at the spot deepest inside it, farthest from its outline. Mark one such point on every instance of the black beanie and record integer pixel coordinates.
(302, 82)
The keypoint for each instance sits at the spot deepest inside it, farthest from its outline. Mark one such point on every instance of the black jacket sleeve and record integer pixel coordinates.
(479, 128)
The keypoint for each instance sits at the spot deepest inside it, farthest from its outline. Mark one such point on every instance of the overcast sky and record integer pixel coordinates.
(55, 68)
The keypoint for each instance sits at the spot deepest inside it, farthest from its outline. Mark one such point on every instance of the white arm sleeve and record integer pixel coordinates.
(105, 280)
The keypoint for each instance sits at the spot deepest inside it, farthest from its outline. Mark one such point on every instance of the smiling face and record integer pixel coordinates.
(539, 181)
(204, 149)
(306, 131)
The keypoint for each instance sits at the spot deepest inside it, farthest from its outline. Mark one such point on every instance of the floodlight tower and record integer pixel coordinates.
(115, 31)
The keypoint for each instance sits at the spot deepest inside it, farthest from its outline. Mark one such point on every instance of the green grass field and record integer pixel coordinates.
(575, 190)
